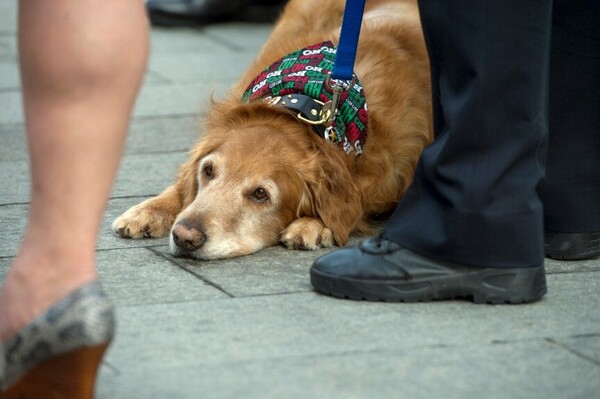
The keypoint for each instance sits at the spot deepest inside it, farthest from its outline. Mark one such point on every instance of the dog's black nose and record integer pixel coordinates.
(188, 236)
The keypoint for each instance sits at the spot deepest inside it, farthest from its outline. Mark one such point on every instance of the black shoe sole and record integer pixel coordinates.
(572, 246)
(494, 286)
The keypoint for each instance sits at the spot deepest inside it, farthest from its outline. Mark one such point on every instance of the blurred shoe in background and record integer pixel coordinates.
(202, 12)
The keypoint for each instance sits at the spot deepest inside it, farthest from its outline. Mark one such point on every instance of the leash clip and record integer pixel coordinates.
(338, 86)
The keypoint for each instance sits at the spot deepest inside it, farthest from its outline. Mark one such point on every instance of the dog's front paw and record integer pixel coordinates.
(307, 233)
(143, 221)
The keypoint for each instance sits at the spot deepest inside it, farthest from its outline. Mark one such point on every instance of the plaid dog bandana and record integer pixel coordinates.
(306, 71)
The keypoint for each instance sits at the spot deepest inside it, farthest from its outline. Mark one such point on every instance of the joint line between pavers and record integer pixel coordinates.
(229, 45)
(14, 204)
(141, 196)
(168, 116)
(141, 246)
(112, 368)
(558, 273)
(157, 75)
(205, 280)
(573, 351)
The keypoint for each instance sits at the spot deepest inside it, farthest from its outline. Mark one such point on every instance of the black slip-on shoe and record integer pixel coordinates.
(381, 270)
(571, 246)
(202, 12)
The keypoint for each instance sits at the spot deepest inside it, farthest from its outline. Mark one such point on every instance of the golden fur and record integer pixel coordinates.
(258, 176)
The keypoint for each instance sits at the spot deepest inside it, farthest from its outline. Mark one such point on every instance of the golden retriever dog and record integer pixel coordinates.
(259, 175)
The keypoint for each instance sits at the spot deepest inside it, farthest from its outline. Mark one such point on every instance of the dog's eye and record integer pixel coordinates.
(260, 194)
(207, 170)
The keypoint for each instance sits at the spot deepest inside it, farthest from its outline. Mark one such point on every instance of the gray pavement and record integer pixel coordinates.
(252, 327)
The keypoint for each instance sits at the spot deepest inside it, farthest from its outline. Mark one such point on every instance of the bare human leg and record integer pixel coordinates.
(81, 66)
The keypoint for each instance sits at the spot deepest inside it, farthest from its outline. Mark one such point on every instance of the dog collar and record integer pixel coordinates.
(300, 82)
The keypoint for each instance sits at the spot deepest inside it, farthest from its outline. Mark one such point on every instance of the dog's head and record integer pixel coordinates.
(256, 170)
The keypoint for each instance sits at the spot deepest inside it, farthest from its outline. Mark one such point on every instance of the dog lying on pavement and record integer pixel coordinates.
(273, 165)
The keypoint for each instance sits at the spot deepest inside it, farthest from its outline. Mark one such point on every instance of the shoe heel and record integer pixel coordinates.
(71, 375)
(513, 286)
(58, 353)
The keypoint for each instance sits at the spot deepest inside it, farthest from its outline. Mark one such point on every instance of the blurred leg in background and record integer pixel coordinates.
(571, 190)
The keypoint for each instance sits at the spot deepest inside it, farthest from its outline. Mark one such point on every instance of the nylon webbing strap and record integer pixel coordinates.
(346, 52)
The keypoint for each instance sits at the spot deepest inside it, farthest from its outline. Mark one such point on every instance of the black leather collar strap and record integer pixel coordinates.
(306, 108)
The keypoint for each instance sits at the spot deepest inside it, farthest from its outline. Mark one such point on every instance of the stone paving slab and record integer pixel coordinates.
(139, 276)
(163, 135)
(177, 56)
(237, 37)
(8, 16)
(462, 372)
(9, 74)
(14, 145)
(280, 336)
(139, 175)
(276, 270)
(272, 271)
(201, 69)
(8, 55)
(586, 346)
(147, 174)
(177, 99)
(554, 266)
(10, 107)
(146, 136)
(4, 265)
(263, 327)
(167, 42)
(10, 79)
(14, 181)
(14, 219)
(155, 100)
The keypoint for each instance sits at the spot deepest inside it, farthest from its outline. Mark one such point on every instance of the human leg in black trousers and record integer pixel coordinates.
(471, 224)
(571, 190)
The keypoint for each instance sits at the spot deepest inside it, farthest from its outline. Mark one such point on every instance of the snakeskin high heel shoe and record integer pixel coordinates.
(57, 355)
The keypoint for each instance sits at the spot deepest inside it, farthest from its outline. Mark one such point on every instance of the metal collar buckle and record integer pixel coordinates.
(322, 111)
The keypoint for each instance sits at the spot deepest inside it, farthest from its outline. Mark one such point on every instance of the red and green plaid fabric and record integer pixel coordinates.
(305, 72)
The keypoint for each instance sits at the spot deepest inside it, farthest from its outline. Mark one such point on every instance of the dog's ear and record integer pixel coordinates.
(187, 182)
(187, 178)
(212, 128)
(335, 198)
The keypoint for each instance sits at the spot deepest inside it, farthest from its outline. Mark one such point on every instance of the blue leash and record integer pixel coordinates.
(343, 68)
(342, 77)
